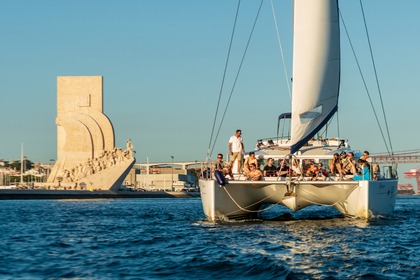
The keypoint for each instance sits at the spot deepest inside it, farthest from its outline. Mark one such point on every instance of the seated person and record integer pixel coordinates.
(376, 171)
(255, 174)
(345, 164)
(296, 170)
(250, 159)
(359, 166)
(222, 167)
(283, 168)
(351, 166)
(365, 173)
(270, 170)
(335, 165)
(312, 170)
(321, 173)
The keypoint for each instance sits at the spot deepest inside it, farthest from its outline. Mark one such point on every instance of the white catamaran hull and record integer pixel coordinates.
(243, 199)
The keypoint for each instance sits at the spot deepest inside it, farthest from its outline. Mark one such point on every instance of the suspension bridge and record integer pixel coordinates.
(409, 156)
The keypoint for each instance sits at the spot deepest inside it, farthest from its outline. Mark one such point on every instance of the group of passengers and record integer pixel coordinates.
(251, 168)
(283, 169)
(252, 171)
(345, 164)
(316, 171)
(341, 165)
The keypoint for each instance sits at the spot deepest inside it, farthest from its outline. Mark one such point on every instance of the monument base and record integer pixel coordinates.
(110, 178)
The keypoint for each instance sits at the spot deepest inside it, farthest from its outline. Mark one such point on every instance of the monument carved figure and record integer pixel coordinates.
(85, 137)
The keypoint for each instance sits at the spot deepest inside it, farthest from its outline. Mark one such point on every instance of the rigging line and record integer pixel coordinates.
(338, 125)
(325, 131)
(237, 75)
(223, 79)
(364, 82)
(281, 50)
(376, 77)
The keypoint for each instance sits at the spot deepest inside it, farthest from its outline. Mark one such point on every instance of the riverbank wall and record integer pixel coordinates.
(75, 194)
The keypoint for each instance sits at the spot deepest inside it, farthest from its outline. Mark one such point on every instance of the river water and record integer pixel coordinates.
(170, 239)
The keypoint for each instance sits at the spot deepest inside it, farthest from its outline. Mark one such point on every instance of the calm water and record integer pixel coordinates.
(169, 238)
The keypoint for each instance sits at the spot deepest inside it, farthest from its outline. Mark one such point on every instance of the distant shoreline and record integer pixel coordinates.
(6, 194)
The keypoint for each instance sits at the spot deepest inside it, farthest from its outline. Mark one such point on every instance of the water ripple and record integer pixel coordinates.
(169, 238)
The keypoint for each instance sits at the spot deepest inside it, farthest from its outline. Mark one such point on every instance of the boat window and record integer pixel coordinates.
(325, 163)
(262, 162)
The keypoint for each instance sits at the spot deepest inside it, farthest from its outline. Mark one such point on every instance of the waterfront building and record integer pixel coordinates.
(165, 176)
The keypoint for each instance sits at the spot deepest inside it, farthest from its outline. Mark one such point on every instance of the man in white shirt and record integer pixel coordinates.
(236, 149)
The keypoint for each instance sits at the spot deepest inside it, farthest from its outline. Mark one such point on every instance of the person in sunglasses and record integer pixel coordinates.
(255, 174)
(221, 166)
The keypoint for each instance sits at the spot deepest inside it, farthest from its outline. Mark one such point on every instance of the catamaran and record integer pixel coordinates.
(316, 83)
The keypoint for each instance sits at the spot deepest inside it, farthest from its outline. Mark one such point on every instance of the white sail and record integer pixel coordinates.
(316, 68)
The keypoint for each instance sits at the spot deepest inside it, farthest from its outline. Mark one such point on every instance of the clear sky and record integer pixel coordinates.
(163, 63)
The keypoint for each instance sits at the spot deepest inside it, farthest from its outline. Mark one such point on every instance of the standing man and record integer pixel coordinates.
(236, 149)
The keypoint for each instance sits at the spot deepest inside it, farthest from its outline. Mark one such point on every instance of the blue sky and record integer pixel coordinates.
(163, 63)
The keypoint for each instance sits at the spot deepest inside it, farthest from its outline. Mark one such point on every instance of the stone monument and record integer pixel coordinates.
(86, 155)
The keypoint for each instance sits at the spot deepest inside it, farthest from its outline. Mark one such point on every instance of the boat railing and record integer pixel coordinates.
(206, 170)
(242, 178)
(273, 142)
(284, 141)
(375, 174)
(389, 172)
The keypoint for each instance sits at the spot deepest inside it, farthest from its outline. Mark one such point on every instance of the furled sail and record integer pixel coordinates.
(316, 68)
